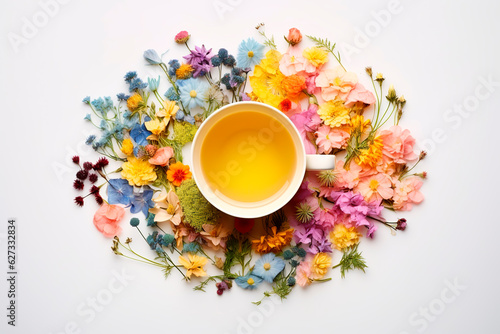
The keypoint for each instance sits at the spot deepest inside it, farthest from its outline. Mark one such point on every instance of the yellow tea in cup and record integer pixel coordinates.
(248, 156)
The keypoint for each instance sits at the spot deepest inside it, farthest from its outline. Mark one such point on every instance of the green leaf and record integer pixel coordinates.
(352, 259)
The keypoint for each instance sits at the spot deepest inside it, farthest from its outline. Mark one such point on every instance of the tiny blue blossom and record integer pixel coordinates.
(122, 97)
(86, 100)
(250, 53)
(153, 84)
(90, 140)
(171, 94)
(130, 76)
(152, 57)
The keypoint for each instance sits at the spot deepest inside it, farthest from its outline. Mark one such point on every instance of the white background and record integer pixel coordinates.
(434, 52)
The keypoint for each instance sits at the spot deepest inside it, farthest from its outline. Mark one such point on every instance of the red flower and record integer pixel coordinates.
(87, 166)
(78, 185)
(93, 178)
(94, 190)
(285, 105)
(99, 199)
(76, 159)
(243, 225)
(79, 200)
(82, 174)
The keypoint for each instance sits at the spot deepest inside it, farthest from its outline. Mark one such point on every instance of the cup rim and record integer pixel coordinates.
(254, 211)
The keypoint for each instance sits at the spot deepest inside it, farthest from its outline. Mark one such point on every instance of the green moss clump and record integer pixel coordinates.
(184, 132)
(197, 210)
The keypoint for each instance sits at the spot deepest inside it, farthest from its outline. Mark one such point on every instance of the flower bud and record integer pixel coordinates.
(369, 71)
(294, 36)
(182, 37)
(391, 94)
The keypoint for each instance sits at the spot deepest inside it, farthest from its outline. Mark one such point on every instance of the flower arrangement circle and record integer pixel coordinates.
(318, 231)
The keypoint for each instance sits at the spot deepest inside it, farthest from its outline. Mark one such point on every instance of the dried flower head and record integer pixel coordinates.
(327, 177)
(82, 174)
(78, 185)
(76, 159)
(79, 200)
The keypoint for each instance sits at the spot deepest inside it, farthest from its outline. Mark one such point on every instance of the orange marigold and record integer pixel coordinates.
(273, 243)
(184, 71)
(370, 157)
(293, 85)
(178, 172)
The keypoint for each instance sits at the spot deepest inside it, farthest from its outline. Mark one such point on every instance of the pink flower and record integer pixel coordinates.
(375, 187)
(407, 193)
(292, 62)
(304, 274)
(398, 145)
(182, 37)
(162, 156)
(328, 138)
(311, 84)
(299, 120)
(294, 36)
(347, 179)
(107, 219)
(336, 83)
(359, 94)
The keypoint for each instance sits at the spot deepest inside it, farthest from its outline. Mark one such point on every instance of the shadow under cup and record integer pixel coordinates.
(248, 159)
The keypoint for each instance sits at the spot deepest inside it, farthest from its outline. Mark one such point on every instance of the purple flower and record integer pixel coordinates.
(199, 59)
(313, 237)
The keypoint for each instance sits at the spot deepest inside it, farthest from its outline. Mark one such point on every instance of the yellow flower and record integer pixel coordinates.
(169, 109)
(156, 126)
(134, 101)
(334, 113)
(127, 146)
(316, 56)
(266, 80)
(369, 157)
(138, 172)
(184, 71)
(320, 265)
(194, 265)
(359, 123)
(343, 237)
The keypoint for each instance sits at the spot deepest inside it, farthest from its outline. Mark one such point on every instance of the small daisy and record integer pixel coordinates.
(250, 53)
(192, 93)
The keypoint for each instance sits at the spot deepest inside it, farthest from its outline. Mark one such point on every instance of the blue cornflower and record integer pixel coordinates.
(139, 133)
(90, 140)
(88, 118)
(122, 97)
(268, 267)
(216, 61)
(222, 53)
(190, 119)
(250, 53)
(229, 61)
(141, 202)
(118, 131)
(136, 84)
(171, 94)
(130, 76)
(180, 115)
(152, 57)
(120, 192)
(191, 247)
(153, 84)
(103, 125)
(192, 93)
(174, 65)
(108, 103)
(249, 281)
(86, 99)
(151, 220)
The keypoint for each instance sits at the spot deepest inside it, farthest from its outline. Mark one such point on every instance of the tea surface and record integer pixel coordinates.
(248, 156)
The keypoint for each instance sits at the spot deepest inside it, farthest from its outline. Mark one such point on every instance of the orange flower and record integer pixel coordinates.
(107, 219)
(294, 85)
(273, 243)
(177, 173)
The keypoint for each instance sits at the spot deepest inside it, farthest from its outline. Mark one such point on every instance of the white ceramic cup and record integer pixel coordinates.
(311, 162)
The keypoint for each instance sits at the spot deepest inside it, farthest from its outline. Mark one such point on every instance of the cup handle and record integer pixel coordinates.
(316, 162)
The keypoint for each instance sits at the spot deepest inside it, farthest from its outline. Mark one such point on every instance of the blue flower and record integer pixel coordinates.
(90, 140)
(268, 267)
(222, 53)
(88, 118)
(229, 61)
(120, 192)
(180, 115)
(154, 239)
(136, 84)
(191, 247)
(174, 65)
(192, 93)
(134, 222)
(141, 202)
(122, 97)
(171, 94)
(139, 133)
(153, 84)
(168, 239)
(129, 120)
(151, 220)
(86, 100)
(130, 76)
(103, 125)
(190, 119)
(250, 53)
(249, 281)
(152, 57)
(216, 61)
